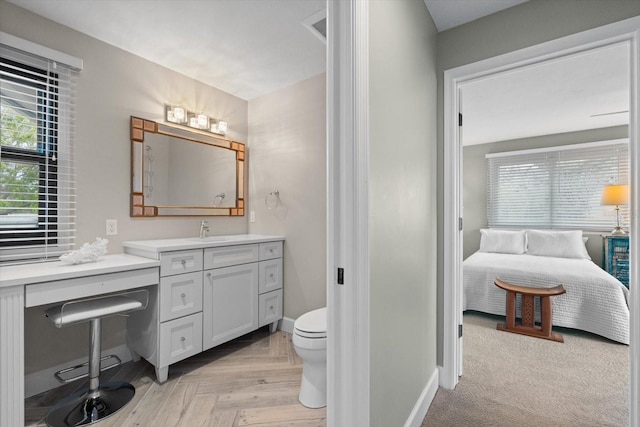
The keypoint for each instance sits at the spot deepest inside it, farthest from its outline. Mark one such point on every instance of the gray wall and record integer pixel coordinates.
(402, 194)
(287, 142)
(115, 85)
(528, 24)
(475, 180)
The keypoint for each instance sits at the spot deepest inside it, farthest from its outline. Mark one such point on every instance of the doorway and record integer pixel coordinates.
(627, 31)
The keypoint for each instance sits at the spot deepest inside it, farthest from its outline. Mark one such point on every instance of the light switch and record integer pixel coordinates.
(252, 216)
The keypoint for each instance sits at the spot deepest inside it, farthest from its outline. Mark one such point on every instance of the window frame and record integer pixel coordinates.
(44, 156)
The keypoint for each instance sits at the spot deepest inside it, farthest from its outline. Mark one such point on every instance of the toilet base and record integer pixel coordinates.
(313, 388)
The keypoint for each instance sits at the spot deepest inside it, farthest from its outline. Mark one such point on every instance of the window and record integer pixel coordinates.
(558, 187)
(37, 201)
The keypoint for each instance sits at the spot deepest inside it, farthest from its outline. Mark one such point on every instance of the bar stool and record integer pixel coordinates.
(97, 402)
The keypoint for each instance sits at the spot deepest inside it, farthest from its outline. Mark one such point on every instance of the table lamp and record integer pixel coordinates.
(616, 195)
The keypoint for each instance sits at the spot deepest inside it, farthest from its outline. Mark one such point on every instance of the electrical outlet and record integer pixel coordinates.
(252, 216)
(112, 227)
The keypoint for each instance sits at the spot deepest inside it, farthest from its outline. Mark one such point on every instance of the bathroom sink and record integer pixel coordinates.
(213, 238)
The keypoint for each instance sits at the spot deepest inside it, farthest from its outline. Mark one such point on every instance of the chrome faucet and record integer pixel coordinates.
(204, 229)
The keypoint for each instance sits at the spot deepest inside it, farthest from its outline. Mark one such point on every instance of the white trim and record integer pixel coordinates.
(286, 324)
(627, 31)
(41, 51)
(424, 402)
(40, 381)
(558, 148)
(348, 338)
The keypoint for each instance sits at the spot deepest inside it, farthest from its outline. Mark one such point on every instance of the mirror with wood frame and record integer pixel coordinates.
(184, 172)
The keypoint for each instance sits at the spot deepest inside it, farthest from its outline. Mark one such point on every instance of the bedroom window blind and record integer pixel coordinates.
(37, 176)
(558, 187)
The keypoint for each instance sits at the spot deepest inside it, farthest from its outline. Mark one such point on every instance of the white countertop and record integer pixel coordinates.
(26, 274)
(166, 245)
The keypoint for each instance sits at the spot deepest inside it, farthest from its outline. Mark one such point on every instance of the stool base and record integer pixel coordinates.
(80, 409)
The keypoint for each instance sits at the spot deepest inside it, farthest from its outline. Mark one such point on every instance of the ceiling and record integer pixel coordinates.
(576, 93)
(245, 47)
(447, 14)
(254, 47)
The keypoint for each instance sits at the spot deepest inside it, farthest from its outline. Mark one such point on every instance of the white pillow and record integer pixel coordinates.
(503, 241)
(561, 244)
(585, 253)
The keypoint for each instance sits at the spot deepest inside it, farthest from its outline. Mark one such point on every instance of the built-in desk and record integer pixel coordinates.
(29, 285)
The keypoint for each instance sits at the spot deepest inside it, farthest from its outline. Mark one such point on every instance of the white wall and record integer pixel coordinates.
(287, 152)
(402, 206)
(113, 86)
(527, 24)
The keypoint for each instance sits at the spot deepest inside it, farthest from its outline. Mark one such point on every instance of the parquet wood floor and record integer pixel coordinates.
(253, 380)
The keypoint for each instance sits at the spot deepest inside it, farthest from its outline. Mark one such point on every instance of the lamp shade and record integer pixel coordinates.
(615, 195)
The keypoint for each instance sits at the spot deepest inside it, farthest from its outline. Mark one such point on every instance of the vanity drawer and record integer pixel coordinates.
(270, 250)
(270, 307)
(180, 295)
(180, 338)
(179, 262)
(230, 255)
(270, 275)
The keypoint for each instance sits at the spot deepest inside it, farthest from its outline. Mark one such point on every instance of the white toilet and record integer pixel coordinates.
(310, 342)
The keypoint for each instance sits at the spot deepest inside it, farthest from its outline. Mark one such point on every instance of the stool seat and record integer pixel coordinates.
(85, 310)
(527, 326)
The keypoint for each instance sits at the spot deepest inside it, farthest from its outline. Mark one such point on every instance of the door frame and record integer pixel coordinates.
(348, 342)
(626, 31)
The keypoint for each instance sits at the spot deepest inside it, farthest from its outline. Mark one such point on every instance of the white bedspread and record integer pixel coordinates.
(595, 301)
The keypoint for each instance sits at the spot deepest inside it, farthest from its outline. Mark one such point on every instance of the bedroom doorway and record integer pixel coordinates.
(626, 32)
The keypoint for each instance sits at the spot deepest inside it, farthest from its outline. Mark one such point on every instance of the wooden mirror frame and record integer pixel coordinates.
(139, 127)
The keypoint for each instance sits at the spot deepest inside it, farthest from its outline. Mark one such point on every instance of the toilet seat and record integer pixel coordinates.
(312, 324)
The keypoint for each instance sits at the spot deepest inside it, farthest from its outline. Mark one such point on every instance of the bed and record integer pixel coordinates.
(595, 301)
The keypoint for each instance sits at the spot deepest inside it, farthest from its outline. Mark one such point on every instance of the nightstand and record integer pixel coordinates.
(615, 255)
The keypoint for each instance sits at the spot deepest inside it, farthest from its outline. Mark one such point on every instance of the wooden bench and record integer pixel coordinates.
(527, 326)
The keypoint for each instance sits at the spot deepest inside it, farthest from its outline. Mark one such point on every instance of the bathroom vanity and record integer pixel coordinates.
(211, 290)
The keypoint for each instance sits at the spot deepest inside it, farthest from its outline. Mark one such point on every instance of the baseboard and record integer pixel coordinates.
(424, 401)
(40, 381)
(286, 324)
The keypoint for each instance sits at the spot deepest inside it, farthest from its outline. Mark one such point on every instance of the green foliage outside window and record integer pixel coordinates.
(19, 181)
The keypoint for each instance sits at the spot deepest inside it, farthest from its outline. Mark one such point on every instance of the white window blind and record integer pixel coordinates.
(559, 187)
(37, 175)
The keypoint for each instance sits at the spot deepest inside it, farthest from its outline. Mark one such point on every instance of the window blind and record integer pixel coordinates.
(559, 187)
(37, 174)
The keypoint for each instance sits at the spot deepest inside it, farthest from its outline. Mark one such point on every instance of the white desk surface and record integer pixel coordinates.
(27, 274)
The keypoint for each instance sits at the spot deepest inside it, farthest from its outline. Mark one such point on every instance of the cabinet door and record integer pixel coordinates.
(230, 306)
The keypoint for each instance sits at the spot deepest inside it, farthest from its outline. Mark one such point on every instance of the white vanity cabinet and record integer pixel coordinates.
(208, 294)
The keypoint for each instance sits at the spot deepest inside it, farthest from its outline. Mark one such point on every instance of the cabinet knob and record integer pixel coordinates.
(183, 295)
(183, 262)
(271, 308)
(209, 275)
(183, 339)
(271, 275)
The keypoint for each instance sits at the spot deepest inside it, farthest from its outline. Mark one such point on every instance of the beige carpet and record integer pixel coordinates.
(515, 380)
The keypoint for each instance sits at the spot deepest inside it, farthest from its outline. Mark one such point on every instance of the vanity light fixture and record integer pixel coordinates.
(175, 114)
(179, 115)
